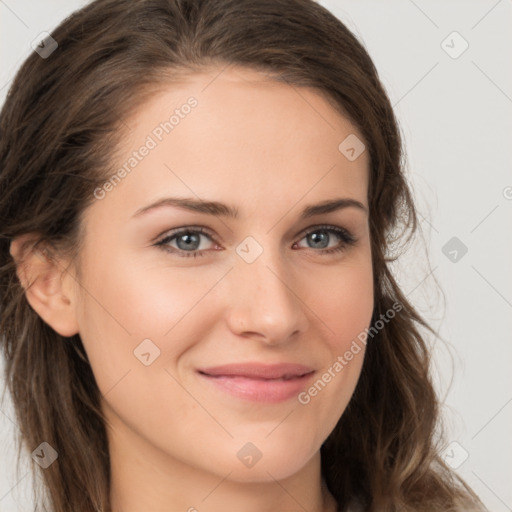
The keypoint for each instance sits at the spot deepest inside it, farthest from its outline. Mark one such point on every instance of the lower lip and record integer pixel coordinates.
(259, 390)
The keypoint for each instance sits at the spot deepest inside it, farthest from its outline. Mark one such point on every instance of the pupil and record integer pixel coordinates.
(188, 239)
(316, 239)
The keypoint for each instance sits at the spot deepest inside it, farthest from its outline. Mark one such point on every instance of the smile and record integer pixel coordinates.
(259, 382)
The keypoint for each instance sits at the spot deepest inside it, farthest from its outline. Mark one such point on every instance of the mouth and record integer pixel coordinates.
(259, 382)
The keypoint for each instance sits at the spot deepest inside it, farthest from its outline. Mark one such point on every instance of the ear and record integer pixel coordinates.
(49, 287)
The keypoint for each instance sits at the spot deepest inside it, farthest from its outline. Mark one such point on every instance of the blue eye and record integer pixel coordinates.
(320, 236)
(188, 240)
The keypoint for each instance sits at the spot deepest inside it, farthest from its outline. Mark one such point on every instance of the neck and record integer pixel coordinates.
(144, 478)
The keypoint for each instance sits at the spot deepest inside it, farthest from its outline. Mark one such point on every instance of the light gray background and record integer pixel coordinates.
(455, 115)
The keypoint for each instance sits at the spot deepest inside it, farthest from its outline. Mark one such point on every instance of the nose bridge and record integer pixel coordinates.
(263, 298)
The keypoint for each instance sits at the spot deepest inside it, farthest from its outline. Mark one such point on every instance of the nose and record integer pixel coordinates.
(265, 301)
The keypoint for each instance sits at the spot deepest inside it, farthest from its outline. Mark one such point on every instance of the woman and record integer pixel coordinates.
(280, 368)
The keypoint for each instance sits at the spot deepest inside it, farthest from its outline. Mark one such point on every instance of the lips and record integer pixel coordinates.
(259, 382)
(258, 371)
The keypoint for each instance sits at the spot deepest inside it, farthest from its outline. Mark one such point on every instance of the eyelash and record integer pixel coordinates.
(346, 240)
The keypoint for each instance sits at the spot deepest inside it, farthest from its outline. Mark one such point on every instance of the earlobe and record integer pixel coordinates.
(46, 282)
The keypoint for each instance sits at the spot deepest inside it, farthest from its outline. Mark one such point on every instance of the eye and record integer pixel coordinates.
(187, 241)
(321, 236)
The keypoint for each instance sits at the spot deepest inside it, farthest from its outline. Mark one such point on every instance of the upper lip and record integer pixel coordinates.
(258, 370)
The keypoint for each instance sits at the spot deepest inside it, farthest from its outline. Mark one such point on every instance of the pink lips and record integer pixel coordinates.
(259, 382)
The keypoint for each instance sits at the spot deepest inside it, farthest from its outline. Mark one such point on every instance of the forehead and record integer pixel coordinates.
(238, 136)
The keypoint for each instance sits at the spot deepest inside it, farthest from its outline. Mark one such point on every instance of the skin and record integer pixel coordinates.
(269, 150)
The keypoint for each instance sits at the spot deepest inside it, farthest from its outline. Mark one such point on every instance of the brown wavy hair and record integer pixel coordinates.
(59, 128)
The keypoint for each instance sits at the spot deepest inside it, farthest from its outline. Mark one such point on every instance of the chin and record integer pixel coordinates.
(267, 472)
(268, 460)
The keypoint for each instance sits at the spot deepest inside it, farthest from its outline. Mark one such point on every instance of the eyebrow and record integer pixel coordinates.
(223, 210)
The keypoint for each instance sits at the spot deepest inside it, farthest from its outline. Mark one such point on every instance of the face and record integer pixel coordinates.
(214, 325)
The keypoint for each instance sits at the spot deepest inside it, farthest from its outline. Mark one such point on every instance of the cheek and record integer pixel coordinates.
(135, 324)
(140, 300)
(128, 302)
(345, 304)
(345, 308)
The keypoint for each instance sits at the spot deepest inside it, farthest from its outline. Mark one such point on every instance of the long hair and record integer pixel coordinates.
(59, 127)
